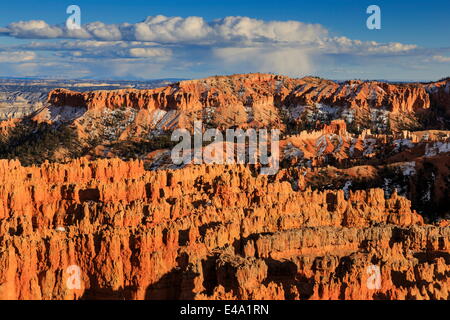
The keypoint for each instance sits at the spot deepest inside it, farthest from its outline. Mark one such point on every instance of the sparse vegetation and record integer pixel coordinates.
(33, 143)
(135, 149)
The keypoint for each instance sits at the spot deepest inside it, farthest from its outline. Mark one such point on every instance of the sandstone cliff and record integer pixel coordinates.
(253, 90)
(262, 100)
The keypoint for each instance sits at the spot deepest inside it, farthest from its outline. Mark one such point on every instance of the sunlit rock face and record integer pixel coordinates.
(208, 232)
(93, 207)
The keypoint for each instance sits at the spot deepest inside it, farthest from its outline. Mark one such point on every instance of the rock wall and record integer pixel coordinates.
(359, 94)
(440, 94)
(257, 90)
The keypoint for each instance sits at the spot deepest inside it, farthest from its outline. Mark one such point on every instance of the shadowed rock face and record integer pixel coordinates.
(207, 232)
(439, 93)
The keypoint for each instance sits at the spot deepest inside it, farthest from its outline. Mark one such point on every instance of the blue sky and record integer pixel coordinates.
(328, 38)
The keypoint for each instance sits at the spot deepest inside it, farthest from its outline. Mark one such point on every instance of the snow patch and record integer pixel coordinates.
(369, 146)
(321, 144)
(65, 113)
(436, 148)
(157, 116)
(402, 143)
(292, 152)
(408, 168)
(346, 187)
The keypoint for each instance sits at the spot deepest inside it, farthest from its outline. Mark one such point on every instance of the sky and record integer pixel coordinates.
(152, 39)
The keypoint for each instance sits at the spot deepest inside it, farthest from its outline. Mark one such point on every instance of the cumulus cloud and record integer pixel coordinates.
(192, 30)
(230, 44)
(99, 30)
(252, 30)
(170, 30)
(229, 32)
(33, 29)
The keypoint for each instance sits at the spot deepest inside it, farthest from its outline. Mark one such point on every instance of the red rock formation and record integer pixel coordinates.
(222, 231)
(207, 232)
(338, 127)
(257, 90)
(360, 94)
(224, 100)
(237, 91)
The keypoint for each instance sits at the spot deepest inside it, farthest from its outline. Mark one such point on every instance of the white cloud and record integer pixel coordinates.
(440, 58)
(99, 30)
(16, 56)
(110, 49)
(149, 52)
(32, 29)
(338, 45)
(247, 29)
(192, 45)
(227, 32)
(192, 30)
(169, 30)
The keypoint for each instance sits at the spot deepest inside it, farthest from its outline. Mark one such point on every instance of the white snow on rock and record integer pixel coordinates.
(402, 143)
(296, 112)
(169, 120)
(346, 187)
(292, 152)
(321, 145)
(340, 143)
(348, 115)
(380, 118)
(327, 110)
(408, 168)
(386, 187)
(157, 116)
(429, 185)
(64, 114)
(369, 145)
(351, 150)
(372, 95)
(436, 148)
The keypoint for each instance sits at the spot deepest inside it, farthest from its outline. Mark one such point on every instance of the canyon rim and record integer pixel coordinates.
(226, 158)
